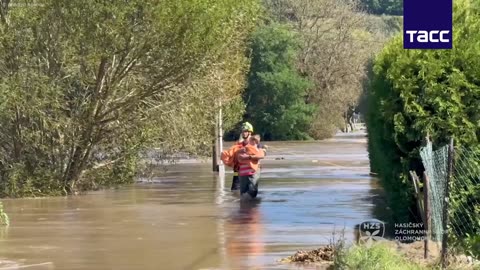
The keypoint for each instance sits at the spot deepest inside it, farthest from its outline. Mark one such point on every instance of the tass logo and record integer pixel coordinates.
(428, 36)
(427, 24)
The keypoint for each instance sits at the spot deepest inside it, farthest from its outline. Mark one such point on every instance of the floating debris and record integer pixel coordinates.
(323, 254)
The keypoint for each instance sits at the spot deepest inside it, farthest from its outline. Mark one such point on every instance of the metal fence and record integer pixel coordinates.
(452, 174)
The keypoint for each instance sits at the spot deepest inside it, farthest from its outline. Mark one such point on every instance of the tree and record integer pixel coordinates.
(276, 93)
(336, 45)
(388, 7)
(86, 86)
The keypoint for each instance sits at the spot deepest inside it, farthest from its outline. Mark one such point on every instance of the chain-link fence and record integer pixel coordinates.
(454, 197)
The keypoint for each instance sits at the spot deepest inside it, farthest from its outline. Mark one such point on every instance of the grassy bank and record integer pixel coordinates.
(385, 255)
(380, 256)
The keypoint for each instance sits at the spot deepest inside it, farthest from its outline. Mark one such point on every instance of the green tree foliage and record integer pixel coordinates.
(388, 7)
(85, 86)
(276, 93)
(415, 93)
(336, 41)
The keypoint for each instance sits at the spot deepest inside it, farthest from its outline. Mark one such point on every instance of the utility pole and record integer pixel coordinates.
(217, 163)
(221, 167)
(215, 147)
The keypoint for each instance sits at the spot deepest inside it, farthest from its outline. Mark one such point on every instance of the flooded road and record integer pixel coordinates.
(189, 219)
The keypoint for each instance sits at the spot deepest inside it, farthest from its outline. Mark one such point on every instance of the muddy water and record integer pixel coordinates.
(189, 219)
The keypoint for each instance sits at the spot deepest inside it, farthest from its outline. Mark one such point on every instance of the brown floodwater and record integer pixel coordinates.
(189, 219)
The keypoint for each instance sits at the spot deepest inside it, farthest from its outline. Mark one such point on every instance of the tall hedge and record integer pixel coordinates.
(413, 93)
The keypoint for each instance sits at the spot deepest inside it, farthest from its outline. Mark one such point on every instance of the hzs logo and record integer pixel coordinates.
(371, 226)
(370, 231)
(428, 36)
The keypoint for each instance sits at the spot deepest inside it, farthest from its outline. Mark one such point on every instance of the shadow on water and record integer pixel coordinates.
(379, 211)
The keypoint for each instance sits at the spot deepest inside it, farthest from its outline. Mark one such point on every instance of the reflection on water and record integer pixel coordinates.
(245, 240)
(188, 218)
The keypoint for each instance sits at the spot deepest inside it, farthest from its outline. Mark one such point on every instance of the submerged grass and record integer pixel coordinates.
(4, 220)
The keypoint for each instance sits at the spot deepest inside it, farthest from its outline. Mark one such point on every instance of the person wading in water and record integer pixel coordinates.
(246, 133)
(249, 167)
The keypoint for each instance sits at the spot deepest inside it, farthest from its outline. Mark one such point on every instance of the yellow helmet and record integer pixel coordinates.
(247, 126)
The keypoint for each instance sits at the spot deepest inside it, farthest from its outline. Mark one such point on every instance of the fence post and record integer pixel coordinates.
(426, 226)
(446, 204)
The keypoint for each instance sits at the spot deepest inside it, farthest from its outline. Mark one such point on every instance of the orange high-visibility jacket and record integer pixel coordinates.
(229, 156)
(247, 166)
